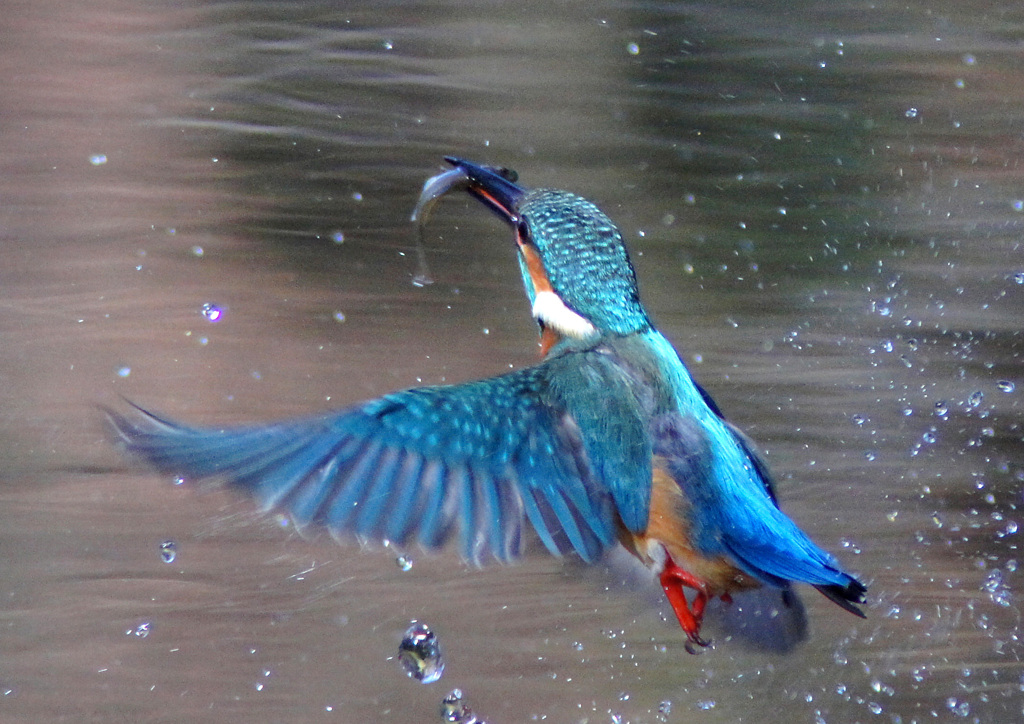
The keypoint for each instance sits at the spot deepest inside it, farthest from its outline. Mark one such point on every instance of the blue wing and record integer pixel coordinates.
(414, 465)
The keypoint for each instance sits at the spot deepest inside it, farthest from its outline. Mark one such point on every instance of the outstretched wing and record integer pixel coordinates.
(414, 465)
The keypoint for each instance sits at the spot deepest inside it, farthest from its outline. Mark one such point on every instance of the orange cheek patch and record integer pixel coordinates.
(541, 283)
(549, 337)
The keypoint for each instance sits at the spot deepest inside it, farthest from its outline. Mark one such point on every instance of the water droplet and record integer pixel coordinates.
(976, 398)
(388, 45)
(929, 437)
(141, 631)
(1019, 276)
(98, 160)
(420, 654)
(706, 704)
(941, 408)
(996, 588)
(168, 551)
(404, 563)
(451, 706)
(338, 237)
(633, 49)
(911, 113)
(1006, 386)
(339, 316)
(124, 371)
(858, 419)
(212, 312)
(870, 456)
(197, 250)
(454, 710)
(959, 708)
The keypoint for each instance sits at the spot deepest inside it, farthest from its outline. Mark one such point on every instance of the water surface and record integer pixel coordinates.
(824, 205)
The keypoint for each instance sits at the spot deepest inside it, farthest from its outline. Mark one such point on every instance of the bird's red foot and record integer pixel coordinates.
(673, 579)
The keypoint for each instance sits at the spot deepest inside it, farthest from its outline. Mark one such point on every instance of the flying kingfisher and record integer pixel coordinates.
(606, 440)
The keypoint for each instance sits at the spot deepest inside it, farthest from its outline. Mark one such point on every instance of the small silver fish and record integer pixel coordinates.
(434, 188)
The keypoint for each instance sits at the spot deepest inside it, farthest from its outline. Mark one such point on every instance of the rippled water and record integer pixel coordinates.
(824, 204)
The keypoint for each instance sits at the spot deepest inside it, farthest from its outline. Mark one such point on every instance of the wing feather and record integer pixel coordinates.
(477, 458)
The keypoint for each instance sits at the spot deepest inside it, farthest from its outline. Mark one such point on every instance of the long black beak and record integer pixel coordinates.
(495, 187)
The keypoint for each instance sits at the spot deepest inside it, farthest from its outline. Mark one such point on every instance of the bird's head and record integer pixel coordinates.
(575, 268)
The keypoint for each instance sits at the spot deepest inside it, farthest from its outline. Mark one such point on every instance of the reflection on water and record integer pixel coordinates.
(206, 209)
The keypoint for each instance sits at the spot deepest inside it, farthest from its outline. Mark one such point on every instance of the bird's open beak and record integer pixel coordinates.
(496, 187)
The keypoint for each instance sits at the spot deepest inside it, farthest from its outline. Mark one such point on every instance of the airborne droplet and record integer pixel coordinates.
(168, 551)
(453, 710)
(141, 631)
(420, 654)
(212, 312)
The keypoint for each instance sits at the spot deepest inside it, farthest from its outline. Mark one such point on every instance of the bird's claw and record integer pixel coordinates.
(673, 579)
(695, 647)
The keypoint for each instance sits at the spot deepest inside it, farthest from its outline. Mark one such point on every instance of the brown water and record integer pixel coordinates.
(824, 203)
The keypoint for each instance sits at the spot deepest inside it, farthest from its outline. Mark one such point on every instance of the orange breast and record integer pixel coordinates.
(669, 528)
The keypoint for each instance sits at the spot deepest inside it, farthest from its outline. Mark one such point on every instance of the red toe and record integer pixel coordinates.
(673, 579)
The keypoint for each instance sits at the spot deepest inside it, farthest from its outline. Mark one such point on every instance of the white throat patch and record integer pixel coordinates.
(549, 308)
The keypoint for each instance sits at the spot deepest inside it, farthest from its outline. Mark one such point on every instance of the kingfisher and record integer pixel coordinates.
(606, 441)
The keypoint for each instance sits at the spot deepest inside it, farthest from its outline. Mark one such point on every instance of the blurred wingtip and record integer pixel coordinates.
(125, 428)
(119, 428)
(847, 597)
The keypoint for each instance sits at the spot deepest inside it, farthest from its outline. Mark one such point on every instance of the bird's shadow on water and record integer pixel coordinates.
(768, 620)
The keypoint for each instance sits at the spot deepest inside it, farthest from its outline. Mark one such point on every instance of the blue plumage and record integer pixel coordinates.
(607, 439)
(413, 465)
